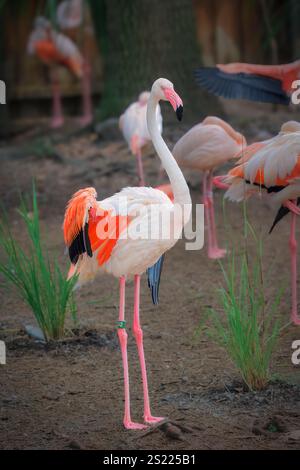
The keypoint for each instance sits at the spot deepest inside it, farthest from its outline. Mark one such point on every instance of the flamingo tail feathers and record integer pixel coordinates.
(154, 275)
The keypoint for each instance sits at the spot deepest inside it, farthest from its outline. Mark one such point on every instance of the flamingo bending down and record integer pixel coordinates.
(273, 167)
(263, 83)
(203, 148)
(93, 231)
(55, 49)
(133, 124)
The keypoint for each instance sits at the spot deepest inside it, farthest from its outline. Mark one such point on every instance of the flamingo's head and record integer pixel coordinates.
(163, 90)
(41, 23)
(144, 97)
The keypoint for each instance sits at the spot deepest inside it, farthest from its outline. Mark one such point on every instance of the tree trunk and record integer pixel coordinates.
(142, 40)
(295, 33)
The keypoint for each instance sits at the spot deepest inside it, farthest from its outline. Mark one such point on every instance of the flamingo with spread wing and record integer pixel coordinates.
(263, 83)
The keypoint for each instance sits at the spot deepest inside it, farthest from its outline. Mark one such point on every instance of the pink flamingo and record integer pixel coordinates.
(94, 232)
(133, 124)
(273, 167)
(203, 148)
(70, 15)
(55, 49)
(263, 83)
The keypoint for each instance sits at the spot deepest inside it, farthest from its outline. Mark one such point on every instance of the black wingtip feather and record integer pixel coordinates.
(154, 275)
(80, 245)
(241, 86)
(282, 212)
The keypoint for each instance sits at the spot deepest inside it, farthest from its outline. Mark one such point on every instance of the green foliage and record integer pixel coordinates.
(41, 147)
(42, 286)
(250, 329)
(50, 12)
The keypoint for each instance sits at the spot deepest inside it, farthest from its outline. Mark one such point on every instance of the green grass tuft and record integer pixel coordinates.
(248, 330)
(41, 284)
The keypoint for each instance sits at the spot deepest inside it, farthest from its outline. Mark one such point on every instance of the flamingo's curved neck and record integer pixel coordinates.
(179, 186)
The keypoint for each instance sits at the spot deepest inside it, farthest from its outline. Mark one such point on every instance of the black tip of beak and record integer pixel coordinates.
(179, 112)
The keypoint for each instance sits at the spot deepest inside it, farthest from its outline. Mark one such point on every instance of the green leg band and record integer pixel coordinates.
(121, 324)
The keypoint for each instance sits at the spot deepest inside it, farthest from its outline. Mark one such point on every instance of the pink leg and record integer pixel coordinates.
(128, 423)
(86, 96)
(293, 249)
(140, 167)
(292, 206)
(57, 117)
(138, 333)
(206, 203)
(217, 252)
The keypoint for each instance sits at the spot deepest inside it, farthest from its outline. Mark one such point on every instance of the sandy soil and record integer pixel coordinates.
(70, 394)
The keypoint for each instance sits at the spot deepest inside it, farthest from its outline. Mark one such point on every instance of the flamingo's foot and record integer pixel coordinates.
(132, 425)
(295, 319)
(57, 122)
(86, 120)
(216, 253)
(149, 419)
(218, 182)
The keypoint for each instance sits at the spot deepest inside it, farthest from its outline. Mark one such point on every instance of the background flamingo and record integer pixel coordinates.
(70, 14)
(55, 49)
(264, 83)
(93, 232)
(133, 124)
(203, 148)
(273, 167)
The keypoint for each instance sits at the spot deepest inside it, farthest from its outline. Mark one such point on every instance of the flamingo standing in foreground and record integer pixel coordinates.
(203, 148)
(273, 167)
(133, 124)
(263, 83)
(55, 49)
(94, 233)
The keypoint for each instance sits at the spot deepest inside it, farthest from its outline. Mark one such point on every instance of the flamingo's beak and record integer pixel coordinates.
(175, 101)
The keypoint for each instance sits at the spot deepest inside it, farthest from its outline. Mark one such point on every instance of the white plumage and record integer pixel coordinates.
(135, 250)
(277, 158)
(134, 122)
(208, 145)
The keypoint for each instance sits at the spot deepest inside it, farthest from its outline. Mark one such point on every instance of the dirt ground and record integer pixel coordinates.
(69, 395)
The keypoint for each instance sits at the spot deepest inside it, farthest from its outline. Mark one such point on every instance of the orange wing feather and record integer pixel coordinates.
(238, 171)
(77, 213)
(49, 54)
(104, 232)
(104, 229)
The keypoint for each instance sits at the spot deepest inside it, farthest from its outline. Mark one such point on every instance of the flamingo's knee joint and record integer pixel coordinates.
(138, 333)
